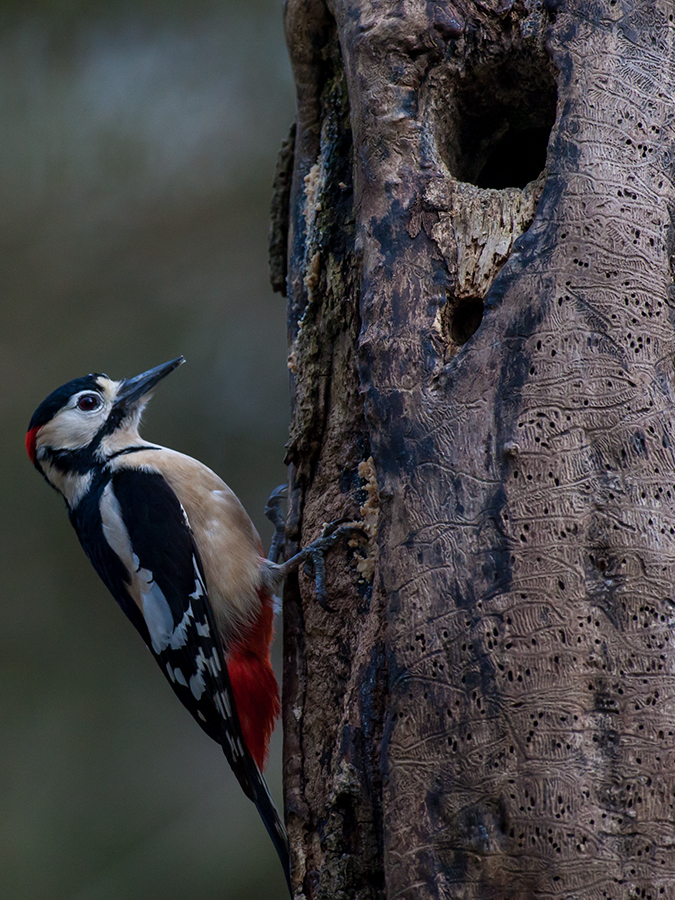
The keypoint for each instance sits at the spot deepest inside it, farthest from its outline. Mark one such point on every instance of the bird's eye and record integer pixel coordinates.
(88, 402)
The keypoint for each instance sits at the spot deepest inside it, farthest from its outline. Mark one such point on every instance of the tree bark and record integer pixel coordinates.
(482, 366)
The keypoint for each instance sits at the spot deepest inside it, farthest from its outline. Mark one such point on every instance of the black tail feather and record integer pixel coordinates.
(255, 787)
(275, 828)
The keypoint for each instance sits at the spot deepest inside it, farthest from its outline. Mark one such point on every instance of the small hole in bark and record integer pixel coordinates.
(466, 319)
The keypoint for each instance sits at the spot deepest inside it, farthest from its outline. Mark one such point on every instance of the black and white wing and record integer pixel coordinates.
(137, 536)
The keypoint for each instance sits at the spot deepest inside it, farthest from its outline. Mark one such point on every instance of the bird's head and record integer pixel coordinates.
(82, 423)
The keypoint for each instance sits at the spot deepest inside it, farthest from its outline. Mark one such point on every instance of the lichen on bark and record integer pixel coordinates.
(334, 667)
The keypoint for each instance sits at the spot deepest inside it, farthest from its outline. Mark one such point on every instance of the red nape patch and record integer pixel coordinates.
(30, 443)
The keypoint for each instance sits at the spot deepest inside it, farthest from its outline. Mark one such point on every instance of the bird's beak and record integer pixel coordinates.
(131, 390)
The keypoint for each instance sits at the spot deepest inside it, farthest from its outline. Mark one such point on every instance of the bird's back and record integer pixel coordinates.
(231, 554)
(228, 543)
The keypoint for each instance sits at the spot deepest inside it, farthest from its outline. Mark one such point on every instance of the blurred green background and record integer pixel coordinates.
(137, 150)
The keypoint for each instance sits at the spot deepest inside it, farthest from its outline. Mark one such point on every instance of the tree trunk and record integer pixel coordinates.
(479, 275)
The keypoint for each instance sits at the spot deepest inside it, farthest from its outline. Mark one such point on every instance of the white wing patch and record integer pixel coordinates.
(185, 517)
(223, 704)
(146, 592)
(159, 618)
(180, 678)
(200, 590)
(197, 685)
(156, 612)
(235, 745)
(114, 529)
(179, 636)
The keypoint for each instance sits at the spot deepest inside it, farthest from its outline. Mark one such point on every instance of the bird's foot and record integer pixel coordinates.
(313, 555)
(277, 518)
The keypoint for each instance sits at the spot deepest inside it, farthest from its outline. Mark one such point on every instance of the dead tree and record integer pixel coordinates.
(474, 227)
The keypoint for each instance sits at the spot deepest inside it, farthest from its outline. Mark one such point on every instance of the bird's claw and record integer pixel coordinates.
(276, 517)
(333, 526)
(315, 553)
(274, 500)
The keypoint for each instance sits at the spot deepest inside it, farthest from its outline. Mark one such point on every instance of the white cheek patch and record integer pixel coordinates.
(71, 428)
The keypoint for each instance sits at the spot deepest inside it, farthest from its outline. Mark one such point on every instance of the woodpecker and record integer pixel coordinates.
(179, 554)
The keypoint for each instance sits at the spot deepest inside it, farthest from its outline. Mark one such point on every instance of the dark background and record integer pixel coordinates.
(137, 150)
